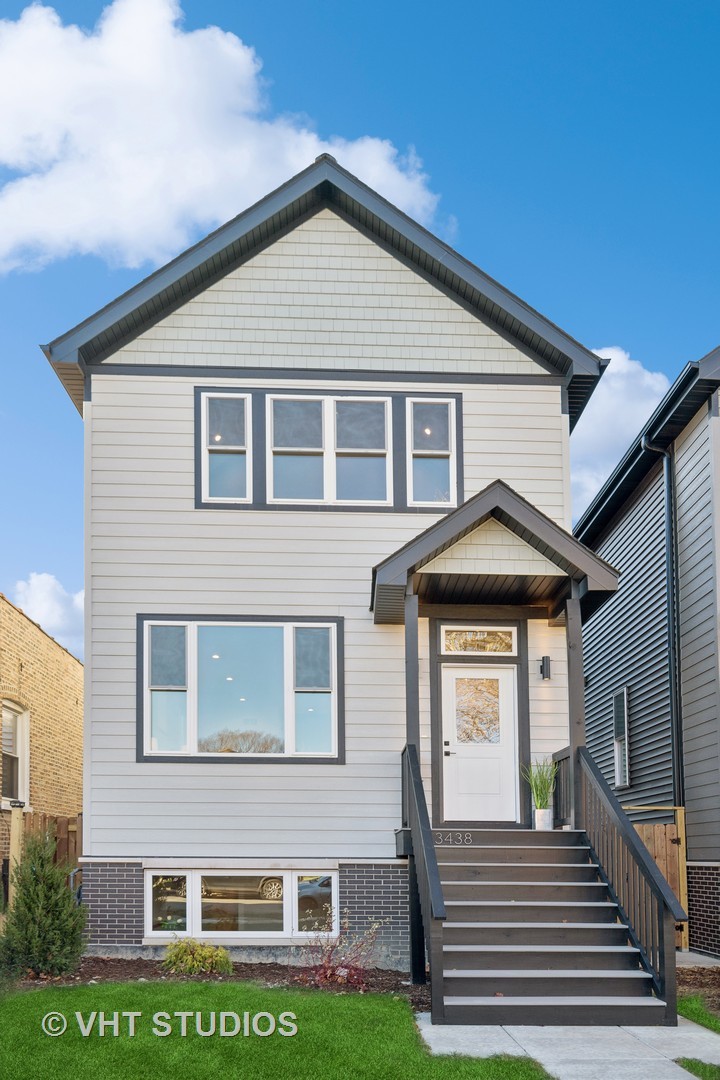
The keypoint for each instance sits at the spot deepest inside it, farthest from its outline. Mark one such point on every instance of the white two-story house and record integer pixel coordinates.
(327, 517)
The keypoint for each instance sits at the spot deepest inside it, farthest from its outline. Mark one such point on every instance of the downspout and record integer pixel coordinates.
(673, 619)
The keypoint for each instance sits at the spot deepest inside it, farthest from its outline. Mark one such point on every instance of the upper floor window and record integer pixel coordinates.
(263, 450)
(431, 476)
(15, 756)
(333, 450)
(241, 688)
(226, 441)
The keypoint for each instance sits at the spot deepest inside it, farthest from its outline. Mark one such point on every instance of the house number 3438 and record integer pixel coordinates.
(453, 838)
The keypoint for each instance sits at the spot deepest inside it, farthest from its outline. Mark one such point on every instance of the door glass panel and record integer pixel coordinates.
(477, 710)
(234, 902)
(169, 903)
(314, 901)
(478, 641)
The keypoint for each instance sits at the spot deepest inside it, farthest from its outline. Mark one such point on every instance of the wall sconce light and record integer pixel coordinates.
(545, 667)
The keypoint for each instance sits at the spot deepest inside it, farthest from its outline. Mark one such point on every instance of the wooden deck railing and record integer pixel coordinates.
(426, 898)
(645, 900)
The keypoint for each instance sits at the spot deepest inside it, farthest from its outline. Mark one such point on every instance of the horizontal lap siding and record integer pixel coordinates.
(625, 644)
(152, 552)
(698, 636)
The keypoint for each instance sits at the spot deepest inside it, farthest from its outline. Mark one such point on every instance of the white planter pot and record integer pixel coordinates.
(544, 820)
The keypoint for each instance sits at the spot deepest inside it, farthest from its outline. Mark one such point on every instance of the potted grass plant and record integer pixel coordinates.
(540, 775)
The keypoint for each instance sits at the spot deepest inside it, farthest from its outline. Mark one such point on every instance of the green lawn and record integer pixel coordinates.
(693, 1007)
(699, 1068)
(339, 1037)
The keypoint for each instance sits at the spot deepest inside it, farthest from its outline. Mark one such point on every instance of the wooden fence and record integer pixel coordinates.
(666, 844)
(67, 831)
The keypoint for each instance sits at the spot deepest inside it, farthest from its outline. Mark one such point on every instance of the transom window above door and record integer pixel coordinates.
(479, 640)
(293, 449)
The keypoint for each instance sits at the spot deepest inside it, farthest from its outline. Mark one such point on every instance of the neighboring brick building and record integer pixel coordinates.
(41, 691)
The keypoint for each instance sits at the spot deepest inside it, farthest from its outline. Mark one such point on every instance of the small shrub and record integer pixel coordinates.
(341, 959)
(44, 926)
(190, 957)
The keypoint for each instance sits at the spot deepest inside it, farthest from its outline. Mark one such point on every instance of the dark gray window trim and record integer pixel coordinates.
(520, 661)
(399, 461)
(325, 375)
(337, 621)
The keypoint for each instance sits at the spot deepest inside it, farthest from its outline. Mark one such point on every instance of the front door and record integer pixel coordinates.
(480, 758)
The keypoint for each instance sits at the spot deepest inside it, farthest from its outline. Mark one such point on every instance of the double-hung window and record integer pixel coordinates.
(329, 450)
(431, 464)
(226, 429)
(251, 688)
(14, 740)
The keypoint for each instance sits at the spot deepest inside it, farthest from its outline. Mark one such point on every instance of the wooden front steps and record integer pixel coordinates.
(531, 935)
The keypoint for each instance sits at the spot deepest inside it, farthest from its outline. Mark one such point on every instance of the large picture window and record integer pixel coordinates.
(245, 688)
(244, 904)
(267, 450)
(333, 450)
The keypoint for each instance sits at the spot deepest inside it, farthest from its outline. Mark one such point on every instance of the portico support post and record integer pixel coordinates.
(412, 719)
(576, 702)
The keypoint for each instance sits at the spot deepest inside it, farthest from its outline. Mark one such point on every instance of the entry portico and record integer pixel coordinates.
(498, 581)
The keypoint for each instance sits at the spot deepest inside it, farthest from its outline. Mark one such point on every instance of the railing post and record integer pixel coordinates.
(668, 976)
(417, 936)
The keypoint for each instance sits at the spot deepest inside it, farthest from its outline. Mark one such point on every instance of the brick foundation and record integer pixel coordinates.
(704, 908)
(113, 893)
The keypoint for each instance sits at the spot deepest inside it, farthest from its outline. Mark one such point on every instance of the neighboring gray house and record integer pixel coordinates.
(333, 598)
(651, 653)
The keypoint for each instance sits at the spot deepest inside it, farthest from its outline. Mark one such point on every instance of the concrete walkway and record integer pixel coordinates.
(583, 1053)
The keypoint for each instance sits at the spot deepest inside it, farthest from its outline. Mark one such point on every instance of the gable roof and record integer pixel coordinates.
(691, 390)
(594, 578)
(323, 184)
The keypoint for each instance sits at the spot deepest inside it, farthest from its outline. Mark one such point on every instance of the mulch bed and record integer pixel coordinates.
(701, 980)
(94, 969)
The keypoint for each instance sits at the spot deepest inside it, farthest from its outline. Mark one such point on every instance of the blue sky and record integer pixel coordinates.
(570, 150)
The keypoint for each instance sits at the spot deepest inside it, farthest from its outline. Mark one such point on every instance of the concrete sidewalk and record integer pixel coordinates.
(583, 1053)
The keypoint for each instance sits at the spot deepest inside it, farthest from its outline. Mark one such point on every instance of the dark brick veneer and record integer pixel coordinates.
(704, 908)
(113, 894)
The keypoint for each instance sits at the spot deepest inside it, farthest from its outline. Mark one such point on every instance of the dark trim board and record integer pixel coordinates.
(520, 662)
(330, 375)
(229, 759)
(399, 449)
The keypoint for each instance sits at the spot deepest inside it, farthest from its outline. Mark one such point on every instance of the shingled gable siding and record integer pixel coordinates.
(326, 296)
(699, 637)
(625, 644)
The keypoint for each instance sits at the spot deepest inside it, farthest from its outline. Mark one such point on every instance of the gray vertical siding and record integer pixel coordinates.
(625, 644)
(698, 638)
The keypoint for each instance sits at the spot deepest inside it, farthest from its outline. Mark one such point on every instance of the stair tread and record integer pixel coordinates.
(509, 847)
(524, 865)
(533, 884)
(537, 925)
(622, 949)
(541, 973)
(531, 903)
(640, 1002)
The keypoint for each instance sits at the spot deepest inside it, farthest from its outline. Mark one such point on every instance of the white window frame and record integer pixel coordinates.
(191, 688)
(205, 397)
(475, 627)
(329, 450)
(193, 899)
(22, 718)
(621, 749)
(450, 454)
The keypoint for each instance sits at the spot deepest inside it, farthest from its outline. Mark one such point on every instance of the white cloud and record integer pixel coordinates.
(623, 400)
(45, 601)
(125, 140)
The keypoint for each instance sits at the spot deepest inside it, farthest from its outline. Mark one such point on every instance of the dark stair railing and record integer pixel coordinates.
(427, 907)
(646, 902)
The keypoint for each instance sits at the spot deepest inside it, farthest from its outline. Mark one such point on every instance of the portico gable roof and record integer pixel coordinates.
(582, 573)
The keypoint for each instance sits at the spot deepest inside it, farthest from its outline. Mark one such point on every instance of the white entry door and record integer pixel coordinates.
(480, 759)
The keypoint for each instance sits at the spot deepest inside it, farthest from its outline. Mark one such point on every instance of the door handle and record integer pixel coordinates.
(450, 752)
